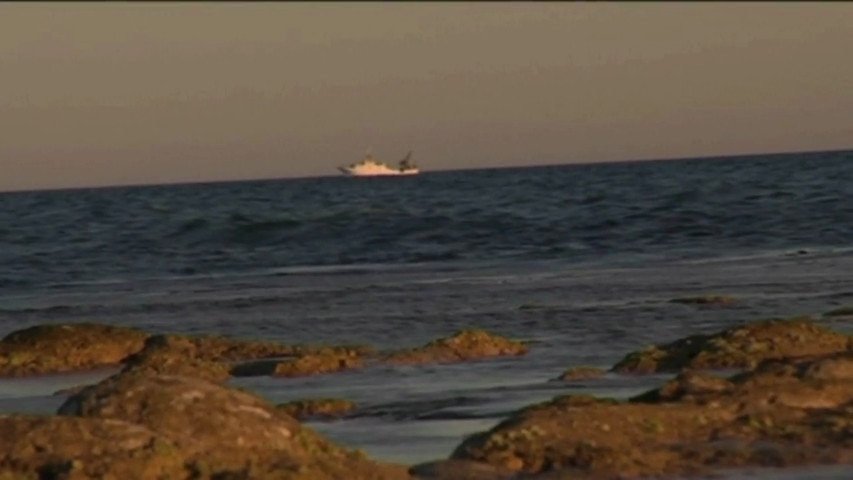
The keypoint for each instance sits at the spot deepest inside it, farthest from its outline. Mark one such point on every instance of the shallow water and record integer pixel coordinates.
(411, 414)
(581, 261)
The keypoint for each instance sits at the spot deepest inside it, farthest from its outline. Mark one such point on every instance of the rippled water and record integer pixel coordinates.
(582, 260)
(565, 214)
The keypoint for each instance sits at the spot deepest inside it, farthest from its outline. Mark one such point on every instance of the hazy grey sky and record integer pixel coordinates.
(116, 93)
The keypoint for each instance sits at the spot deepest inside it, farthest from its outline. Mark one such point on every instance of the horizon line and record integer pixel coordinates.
(441, 170)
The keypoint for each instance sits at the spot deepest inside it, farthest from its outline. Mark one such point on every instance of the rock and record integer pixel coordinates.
(737, 347)
(72, 390)
(197, 415)
(834, 367)
(71, 347)
(313, 364)
(600, 438)
(571, 401)
(175, 355)
(210, 357)
(206, 357)
(837, 366)
(721, 300)
(687, 386)
(304, 365)
(784, 413)
(465, 345)
(353, 350)
(224, 432)
(805, 382)
(322, 408)
(66, 447)
(260, 368)
(582, 373)
(231, 350)
(66, 347)
(460, 470)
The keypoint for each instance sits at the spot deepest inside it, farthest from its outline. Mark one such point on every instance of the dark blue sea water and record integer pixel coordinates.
(563, 214)
(579, 258)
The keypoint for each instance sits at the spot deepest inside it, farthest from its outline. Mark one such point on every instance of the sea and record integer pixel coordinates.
(580, 260)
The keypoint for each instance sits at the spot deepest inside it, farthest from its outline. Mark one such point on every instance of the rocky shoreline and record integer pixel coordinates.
(167, 414)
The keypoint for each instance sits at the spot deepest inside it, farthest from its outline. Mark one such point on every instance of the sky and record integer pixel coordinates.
(118, 93)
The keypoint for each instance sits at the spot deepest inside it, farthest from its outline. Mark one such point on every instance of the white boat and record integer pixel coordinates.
(371, 167)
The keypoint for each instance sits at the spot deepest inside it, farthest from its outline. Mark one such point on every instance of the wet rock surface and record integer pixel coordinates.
(184, 409)
(687, 386)
(460, 470)
(231, 350)
(327, 361)
(75, 347)
(176, 355)
(168, 415)
(66, 347)
(67, 447)
(313, 364)
(785, 412)
(72, 390)
(468, 344)
(318, 408)
(582, 373)
(212, 357)
(221, 432)
(738, 347)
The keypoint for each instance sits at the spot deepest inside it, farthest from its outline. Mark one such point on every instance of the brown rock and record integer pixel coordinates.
(582, 373)
(230, 350)
(784, 413)
(460, 470)
(737, 347)
(838, 366)
(66, 347)
(197, 415)
(597, 437)
(324, 408)
(809, 382)
(72, 390)
(313, 364)
(211, 357)
(206, 357)
(325, 361)
(259, 368)
(833, 367)
(224, 432)
(687, 386)
(175, 355)
(465, 345)
(63, 348)
(81, 448)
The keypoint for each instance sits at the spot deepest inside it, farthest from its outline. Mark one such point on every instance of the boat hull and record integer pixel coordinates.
(371, 167)
(351, 172)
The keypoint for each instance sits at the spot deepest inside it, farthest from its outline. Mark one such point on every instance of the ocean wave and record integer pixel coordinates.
(248, 224)
(646, 211)
(191, 225)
